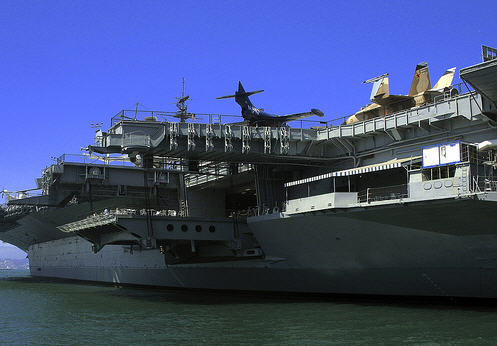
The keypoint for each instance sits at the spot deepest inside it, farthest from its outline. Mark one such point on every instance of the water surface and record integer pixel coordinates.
(37, 311)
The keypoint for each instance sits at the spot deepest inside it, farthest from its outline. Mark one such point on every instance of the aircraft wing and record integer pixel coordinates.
(368, 112)
(391, 99)
(368, 108)
(298, 116)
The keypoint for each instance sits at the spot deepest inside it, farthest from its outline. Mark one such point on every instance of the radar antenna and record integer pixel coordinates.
(182, 112)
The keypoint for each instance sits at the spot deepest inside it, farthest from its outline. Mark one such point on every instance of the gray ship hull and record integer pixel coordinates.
(425, 249)
(398, 204)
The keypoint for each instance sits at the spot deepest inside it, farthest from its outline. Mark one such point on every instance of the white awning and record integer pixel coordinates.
(395, 163)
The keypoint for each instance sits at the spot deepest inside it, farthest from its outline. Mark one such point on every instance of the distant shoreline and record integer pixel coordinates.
(11, 263)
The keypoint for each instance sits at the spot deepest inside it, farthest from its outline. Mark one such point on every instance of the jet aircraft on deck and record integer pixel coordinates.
(420, 93)
(257, 117)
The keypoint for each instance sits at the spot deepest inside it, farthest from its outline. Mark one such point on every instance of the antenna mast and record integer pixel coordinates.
(183, 88)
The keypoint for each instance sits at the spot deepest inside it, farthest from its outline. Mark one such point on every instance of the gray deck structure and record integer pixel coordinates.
(241, 143)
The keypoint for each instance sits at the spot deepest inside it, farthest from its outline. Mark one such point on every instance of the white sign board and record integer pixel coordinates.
(450, 153)
(431, 156)
(441, 154)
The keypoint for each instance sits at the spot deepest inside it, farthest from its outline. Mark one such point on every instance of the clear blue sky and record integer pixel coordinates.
(66, 64)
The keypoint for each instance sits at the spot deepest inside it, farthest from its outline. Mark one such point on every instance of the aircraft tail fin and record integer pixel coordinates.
(241, 96)
(446, 79)
(240, 93)
(420, 80)
(225, 97)
(380, 87)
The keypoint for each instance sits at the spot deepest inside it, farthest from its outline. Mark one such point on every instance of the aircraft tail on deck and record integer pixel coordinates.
(446, 79)
(241, 96)
(420, 80)
(380, 87)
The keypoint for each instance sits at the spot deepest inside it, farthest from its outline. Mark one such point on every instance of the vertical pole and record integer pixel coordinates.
(90, 197)
(148, 210)
(301, 131)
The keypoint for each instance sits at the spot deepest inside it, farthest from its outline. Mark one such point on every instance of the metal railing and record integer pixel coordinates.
(212, 173)
(15, 211)
(93, 159)
(202, 118)
(483, 184)
(437, 99)
(488, 53)
(213, 118)
(265, 209)
(383, 193)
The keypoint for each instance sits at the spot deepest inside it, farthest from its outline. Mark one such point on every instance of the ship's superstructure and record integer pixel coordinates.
(402, 204)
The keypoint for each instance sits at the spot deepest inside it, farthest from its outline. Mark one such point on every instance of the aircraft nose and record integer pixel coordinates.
(317, 112)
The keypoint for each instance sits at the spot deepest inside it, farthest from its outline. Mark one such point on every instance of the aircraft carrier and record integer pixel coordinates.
(399, 203)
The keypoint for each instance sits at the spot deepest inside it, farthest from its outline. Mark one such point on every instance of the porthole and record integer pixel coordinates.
(170, 227)
(198, 228)
(184, 228)
(212, 228)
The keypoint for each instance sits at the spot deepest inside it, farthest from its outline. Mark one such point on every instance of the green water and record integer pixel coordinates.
(44, 312)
